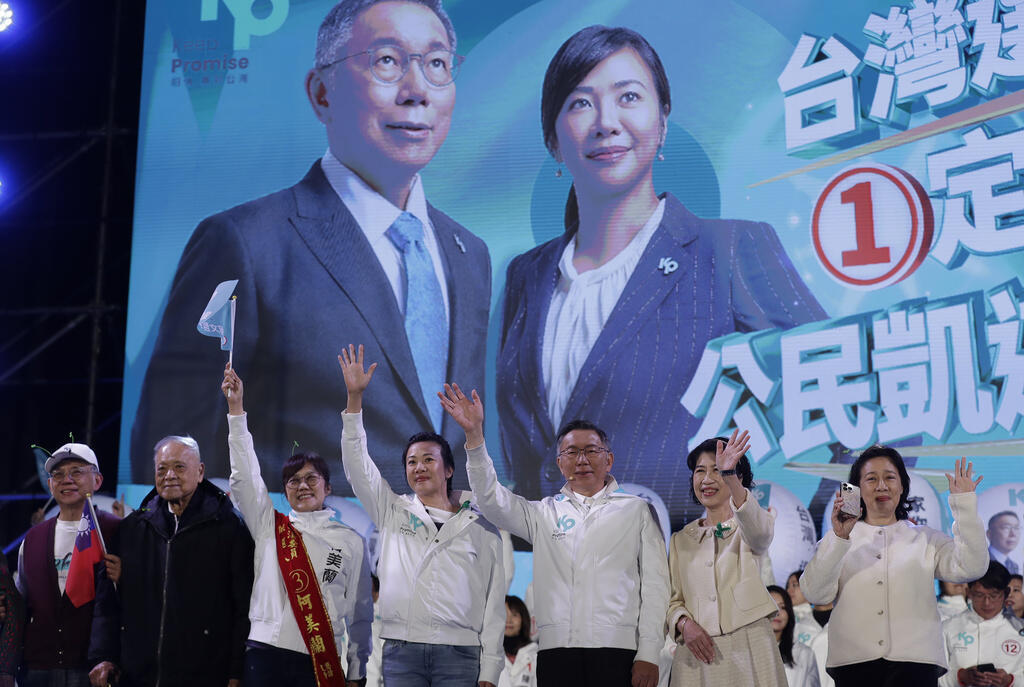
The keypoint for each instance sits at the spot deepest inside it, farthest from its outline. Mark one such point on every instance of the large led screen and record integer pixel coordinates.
(830, 256)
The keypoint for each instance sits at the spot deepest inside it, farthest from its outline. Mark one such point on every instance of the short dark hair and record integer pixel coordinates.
(786, 639)
(992, 520)
(446, 451)
(299, 460)
(336, 28)
(996, 577)
(585, 425)
(523, 638)
(894, 457)
(1019, 578)
(743, 469)
(577, 56)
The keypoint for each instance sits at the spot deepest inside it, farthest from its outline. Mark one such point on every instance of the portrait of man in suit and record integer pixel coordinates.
(353, 252)
(1003, 535)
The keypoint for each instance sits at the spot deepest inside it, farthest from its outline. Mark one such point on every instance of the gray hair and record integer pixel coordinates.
(186, 441)
(336, 29)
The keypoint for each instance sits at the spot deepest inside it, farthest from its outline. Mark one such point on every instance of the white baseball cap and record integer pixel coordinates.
(72, 452)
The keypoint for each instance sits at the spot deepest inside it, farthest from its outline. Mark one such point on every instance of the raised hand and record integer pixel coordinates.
(727, 456)
(961, 480)
(356, 377)
(232, 388)
(118, 507)
(467, 411)
(842, 523)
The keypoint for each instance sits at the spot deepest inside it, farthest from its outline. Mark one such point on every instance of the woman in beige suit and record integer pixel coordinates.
(720, 609)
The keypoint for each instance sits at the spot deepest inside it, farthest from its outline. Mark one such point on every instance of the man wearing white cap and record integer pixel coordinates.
(64, 643)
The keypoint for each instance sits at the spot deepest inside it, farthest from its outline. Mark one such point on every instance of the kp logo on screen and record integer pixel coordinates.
(247, 24)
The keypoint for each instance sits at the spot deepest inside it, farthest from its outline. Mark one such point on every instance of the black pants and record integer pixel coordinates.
(585, 667)
(270, 666)
(882, 673)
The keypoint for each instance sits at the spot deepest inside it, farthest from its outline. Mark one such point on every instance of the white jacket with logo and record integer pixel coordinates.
(882, 581)
(442, 586)
(971, 641)
(601, 574)
(336, 551)
(521, 672)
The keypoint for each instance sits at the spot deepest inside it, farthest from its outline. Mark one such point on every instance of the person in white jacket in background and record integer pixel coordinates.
(601, 578)
(798, 659)
(278, 651)
(441, 568)
(520, 650)
(983, 635)
(879, 570)
(952, 599)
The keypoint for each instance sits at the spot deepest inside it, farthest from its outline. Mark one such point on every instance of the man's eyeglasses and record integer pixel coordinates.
(74, 473)
(986, 596)
(591, 452)
(311, 480)
(389, 63)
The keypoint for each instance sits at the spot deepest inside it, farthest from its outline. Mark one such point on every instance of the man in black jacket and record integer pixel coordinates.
(186, 577)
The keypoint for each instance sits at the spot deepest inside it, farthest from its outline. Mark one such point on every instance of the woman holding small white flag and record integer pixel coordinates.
(312, 580)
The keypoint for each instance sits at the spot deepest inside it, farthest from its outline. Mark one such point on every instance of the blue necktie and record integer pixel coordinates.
(426, 325)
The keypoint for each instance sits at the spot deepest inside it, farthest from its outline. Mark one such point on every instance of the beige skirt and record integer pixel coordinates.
(748, 657)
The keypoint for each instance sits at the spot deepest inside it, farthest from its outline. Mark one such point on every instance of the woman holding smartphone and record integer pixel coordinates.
(879, 569)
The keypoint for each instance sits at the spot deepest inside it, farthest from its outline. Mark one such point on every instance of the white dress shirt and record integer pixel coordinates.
(580, 307)
(375, 214)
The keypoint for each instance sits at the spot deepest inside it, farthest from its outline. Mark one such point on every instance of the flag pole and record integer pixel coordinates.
(95, 519)
(231, 350)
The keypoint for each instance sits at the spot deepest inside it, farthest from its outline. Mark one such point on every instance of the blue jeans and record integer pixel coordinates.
(411, 664)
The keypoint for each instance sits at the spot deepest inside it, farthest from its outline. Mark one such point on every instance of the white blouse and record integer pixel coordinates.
(580, 307)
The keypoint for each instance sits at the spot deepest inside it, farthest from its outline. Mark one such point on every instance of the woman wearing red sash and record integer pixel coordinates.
(312, 581)
(442, 581)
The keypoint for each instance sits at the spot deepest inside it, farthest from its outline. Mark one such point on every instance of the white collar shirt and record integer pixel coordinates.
(375, 214)
(580, 307)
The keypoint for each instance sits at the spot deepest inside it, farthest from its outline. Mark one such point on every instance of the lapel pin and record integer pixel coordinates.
(668, 265)
(458, 242)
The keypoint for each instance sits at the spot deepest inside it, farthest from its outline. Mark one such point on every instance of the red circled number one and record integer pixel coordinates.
(866, 252)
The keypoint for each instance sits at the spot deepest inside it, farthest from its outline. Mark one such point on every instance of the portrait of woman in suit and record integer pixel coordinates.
(608, 321)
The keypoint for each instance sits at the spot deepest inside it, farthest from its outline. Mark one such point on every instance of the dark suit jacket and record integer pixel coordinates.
(309, 283)
(732, 276)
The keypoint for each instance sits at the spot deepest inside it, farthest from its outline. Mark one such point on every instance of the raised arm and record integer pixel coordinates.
(369, 486)
(248, 490)
(964, 557)
(499, 505)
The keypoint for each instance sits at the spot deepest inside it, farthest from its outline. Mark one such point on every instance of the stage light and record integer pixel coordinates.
(6, 16)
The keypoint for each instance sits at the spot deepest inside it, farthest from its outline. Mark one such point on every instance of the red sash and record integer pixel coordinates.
(307, 603)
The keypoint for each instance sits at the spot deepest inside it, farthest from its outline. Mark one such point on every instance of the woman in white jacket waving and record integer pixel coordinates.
(879, 569)
(720, 608)
(442, 578)
(311, 594)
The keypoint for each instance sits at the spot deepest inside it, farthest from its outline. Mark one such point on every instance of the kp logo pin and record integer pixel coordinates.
(668, 265)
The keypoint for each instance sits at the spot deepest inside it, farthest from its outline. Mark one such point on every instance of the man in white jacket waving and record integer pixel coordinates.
(600, 568)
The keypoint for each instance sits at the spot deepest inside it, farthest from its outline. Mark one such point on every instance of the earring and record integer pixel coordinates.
(558, 173)
(661, 155)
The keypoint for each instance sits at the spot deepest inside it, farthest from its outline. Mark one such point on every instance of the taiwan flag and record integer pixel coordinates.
(81, 583)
